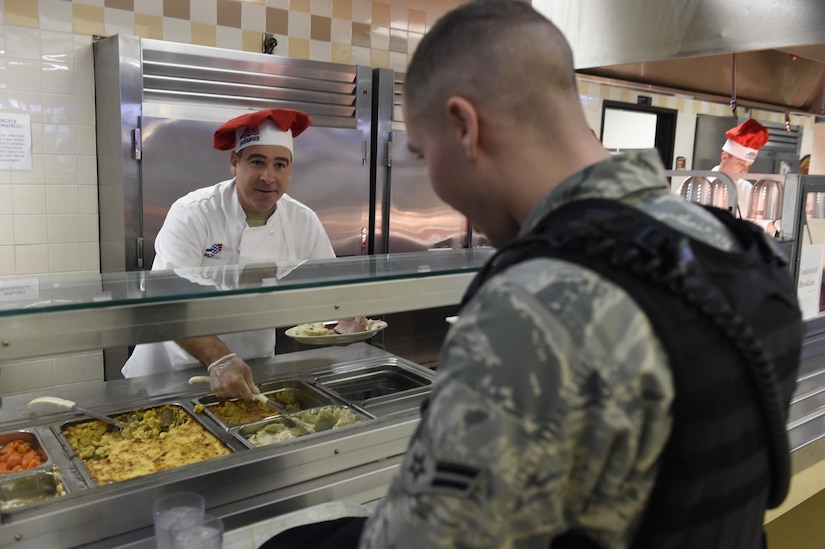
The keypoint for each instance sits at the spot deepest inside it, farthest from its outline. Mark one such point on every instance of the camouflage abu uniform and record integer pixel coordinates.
(551, 404)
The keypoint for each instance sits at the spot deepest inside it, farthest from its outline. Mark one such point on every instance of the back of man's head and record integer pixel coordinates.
(502, 53)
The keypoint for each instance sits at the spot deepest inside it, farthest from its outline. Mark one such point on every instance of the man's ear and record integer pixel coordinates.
(233, 162)
(462, 118)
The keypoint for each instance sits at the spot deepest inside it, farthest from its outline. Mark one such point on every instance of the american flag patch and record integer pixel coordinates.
(249, 135)
(213, 250)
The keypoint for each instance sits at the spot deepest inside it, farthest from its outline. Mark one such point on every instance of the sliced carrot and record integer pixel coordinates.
(14, 460)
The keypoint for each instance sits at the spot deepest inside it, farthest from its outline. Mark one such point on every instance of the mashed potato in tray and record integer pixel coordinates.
(307, 421)
(276, 432)
(152, 440)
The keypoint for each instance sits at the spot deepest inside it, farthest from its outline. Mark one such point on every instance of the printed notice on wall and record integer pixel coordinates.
(19, 289)
(15, 142)
(810, 280)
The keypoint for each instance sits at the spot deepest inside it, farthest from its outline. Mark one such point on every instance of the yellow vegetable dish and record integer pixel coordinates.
(152, 440)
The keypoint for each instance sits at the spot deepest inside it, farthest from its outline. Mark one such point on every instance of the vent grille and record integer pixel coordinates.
(398, 101)
(212, 77)
(781, 140)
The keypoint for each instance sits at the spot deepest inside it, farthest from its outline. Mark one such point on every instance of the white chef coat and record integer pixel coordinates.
(744, 189)
(207, 228)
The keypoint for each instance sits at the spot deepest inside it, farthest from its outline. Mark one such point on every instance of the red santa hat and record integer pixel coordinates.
(745, 140)
(267, 127)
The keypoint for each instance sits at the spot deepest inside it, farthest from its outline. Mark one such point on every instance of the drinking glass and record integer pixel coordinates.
(179, 507)
(207, 534)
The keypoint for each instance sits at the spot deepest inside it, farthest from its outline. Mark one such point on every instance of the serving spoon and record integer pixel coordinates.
(71, 405)
(258, 397)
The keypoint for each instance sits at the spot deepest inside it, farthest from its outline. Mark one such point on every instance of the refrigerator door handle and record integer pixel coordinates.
(138, 145)
(139, 252)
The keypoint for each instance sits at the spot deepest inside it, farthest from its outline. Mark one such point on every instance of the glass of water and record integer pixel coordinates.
(208, 534)
(179, 508)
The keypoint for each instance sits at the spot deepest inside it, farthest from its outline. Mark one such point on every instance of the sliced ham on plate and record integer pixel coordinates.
(350, 325)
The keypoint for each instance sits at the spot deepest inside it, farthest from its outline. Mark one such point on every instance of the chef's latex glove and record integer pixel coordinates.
(231, 377)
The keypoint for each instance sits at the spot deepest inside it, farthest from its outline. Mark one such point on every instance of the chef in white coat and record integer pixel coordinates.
(245, 220)
(738, 154)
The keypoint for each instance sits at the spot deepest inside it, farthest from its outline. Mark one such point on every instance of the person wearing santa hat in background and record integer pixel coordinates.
(738, 155)
(244, 220)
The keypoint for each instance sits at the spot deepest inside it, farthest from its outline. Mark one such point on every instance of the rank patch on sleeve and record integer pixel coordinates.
(422, 473)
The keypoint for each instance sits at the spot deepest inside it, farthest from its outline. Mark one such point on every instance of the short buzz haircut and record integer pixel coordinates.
(501, 51)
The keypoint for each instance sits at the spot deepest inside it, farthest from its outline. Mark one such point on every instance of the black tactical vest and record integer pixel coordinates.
(732, 329)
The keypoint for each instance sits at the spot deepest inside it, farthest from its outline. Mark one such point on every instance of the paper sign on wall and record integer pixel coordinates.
(810, 280)
(15, 142)
(19, 289)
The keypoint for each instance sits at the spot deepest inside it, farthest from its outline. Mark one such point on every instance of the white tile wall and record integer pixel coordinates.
(77, 368)
(320, 7)
(22, 43)
(149, 7)
(30, 229)
(253, 16)
(63, 228)
(26, 376)
(29, 199)
(87, 170)
(320, 51)
(24, 75)
(5, 199)
(60, 169)
(55, 15)
(299, 24)
(341, 31)
(58, 108)
(8, 265)
(118, 22)
(59, 139)
(380, 38)
(48, 215)
(87, 199)
(177, 30)
(230, 38)
(207, 12)
(63, 370)
(62, 199)
(32, 260)
(362, 11)
(6, 230)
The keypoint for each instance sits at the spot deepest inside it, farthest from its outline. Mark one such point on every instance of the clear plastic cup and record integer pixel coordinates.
(181, 508)
(208, 534)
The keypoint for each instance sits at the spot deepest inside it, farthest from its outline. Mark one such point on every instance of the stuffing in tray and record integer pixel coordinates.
(154, 439)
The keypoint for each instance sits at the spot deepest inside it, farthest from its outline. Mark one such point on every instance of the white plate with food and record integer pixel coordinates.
(336, 332)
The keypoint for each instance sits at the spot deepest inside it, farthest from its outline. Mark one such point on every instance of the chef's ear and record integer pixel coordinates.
(234, 158)
(463, 119)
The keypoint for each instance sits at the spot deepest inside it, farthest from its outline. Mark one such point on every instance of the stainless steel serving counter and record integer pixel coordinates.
(253, 484)
(353, 463)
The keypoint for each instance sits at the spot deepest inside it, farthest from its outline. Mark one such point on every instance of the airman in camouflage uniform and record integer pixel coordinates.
(552, 403)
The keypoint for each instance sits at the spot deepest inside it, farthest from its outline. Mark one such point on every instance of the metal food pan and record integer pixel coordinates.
(303, 424)
(375, 381)
(292, 394)
(36, 445)
(30, 487)
(163, 417)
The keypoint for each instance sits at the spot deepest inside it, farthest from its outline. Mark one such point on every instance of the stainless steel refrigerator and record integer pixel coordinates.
(158, 105)
(409, 215)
